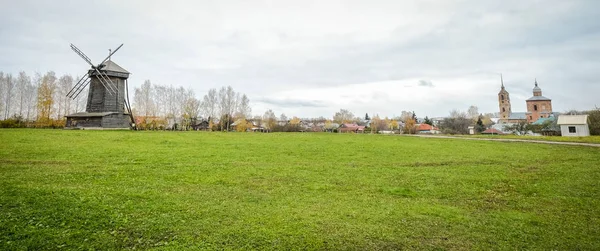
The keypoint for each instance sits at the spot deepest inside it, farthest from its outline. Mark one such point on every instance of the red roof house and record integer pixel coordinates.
(426, 128)
(351, 128)
(492, 131)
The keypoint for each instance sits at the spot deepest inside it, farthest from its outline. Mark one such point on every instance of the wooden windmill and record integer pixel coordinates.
(108, 100)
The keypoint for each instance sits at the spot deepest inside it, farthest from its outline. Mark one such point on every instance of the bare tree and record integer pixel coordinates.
(456, 123)
(32, 94)
(243, 109)
(143, 102)
(283, 118)
(2, 96)
(160, 95)
(179, 98)
(222, 103)
(81, 100)
(209, 104)
(458, 114)
(191, 109)
(65, 83)
(9, 83)
(226, 97)
(473, 112)
(574, 112)
(269, 119)
(23, 83)
(405, 116)
(343, 116)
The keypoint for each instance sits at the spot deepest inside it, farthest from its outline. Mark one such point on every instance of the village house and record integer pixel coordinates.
(427, 129)
(201, 125)
(351, 128)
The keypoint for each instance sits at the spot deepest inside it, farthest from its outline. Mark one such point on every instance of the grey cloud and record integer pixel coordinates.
(556, 43)
(291, 102)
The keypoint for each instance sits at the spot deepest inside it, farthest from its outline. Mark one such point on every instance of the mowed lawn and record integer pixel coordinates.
(194, 190)
(588, 139)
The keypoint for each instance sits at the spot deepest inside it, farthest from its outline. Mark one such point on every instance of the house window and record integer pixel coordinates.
(543, 107)
(502, 98)
(572, 129)
(535, 107)
(502, 101)
(530, 118)
(503, 109)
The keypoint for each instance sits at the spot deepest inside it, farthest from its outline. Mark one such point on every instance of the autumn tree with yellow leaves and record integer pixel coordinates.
(45, 99)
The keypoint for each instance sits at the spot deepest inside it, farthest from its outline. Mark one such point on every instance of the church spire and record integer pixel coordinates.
(501, 81)
(536, 82)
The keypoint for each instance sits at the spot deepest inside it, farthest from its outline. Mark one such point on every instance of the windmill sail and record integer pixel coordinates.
(79, 85)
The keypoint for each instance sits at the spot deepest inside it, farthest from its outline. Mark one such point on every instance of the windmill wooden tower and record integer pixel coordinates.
(108, 97)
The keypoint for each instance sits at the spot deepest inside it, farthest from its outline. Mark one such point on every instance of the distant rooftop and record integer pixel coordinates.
(541, 121)
(537, 98)
(518, 115)
(572, 120)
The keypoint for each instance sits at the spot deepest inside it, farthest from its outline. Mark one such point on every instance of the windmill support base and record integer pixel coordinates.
(98, 121)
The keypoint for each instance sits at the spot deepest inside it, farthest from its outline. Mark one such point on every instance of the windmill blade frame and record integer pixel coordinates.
(105, 81)
(109, 81)
(82, 55)
(78, 85)
(86, 83)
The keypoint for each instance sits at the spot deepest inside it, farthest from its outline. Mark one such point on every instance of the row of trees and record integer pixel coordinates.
(178, 108)
(457, 123)
(39, 100)
(161, 106)
(227, 105)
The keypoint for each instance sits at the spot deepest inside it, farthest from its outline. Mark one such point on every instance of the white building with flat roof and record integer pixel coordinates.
(574, 125)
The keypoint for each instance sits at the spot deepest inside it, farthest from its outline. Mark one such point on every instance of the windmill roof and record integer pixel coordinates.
(112, 66)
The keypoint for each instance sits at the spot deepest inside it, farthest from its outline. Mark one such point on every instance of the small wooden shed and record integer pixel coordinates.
(574, 125)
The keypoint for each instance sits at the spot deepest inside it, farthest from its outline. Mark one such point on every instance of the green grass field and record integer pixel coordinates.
(188, 190)
(588, 139)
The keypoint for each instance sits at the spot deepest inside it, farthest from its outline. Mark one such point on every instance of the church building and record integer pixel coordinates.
(538, 106)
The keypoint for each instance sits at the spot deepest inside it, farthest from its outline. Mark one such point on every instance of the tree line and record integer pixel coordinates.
(37, 101)
(159, 106)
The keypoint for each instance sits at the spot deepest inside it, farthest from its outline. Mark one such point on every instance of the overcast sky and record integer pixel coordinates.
(311, 58)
